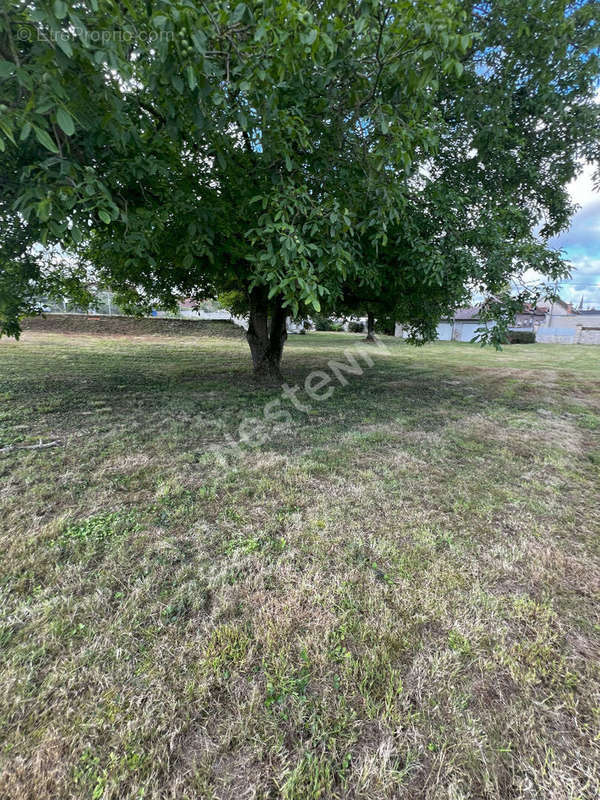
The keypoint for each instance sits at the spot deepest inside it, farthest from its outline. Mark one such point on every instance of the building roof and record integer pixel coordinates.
(472, 312)
(564, 304)
(538, 311)
(467, 313)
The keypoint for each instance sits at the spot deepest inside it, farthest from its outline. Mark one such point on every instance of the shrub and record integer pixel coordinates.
(521, 337)
(325, 324)
(356, 327)
(385, 325)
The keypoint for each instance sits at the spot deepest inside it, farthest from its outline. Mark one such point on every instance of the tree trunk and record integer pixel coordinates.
(266, 335)
(370, 327)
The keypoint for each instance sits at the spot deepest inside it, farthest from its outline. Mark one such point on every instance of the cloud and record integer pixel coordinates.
(581, 242)
(574, 293)
(583, 236)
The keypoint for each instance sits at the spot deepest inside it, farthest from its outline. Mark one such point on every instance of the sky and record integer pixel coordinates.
(581, 243)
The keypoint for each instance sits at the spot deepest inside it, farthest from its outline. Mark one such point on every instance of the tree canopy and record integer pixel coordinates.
(302, 155)
(518, 119)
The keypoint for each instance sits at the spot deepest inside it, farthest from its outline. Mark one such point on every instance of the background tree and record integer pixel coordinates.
(190, 149)
(300, 155)
(517, 121)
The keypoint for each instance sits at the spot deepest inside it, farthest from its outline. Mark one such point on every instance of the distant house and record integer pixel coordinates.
(461, 328)
(555, 322)
(589, 332)
(189, 309)
(531, 318)
(465, 324)
(567, 325)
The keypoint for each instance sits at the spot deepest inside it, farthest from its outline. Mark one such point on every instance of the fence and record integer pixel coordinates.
(580, 334)
(107, 308)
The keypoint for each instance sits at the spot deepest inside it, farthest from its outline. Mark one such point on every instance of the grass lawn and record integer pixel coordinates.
(395, 595)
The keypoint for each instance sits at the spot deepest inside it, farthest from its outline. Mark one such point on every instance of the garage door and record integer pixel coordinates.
(444, 331)
(467, 331)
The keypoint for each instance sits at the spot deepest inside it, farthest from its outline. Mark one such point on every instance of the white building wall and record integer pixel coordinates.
(564, 335)
(590, 335)
(465, 331)
(561, 321)
(444, 331)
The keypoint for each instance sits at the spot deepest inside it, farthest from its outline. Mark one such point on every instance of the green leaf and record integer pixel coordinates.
(360, 24)
(329, 43)
(238, 13)
(25, 131)
(43, 210)
(310, 37)
(199, 41)
(6, 125)
(24, 76)
(44, 106)
(45, 140)
(60, 9)
(64, 44)
(104, 216)
(65, 120)
(76, 234)
(191, 77)
(81, 29)
(6, 69)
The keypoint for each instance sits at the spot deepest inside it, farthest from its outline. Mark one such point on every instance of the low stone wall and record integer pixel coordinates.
(556, 335)
(590, 336)
(130, 326)
(578, 335)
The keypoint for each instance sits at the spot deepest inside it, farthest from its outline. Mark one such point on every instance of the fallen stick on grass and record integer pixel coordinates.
(39, 446)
